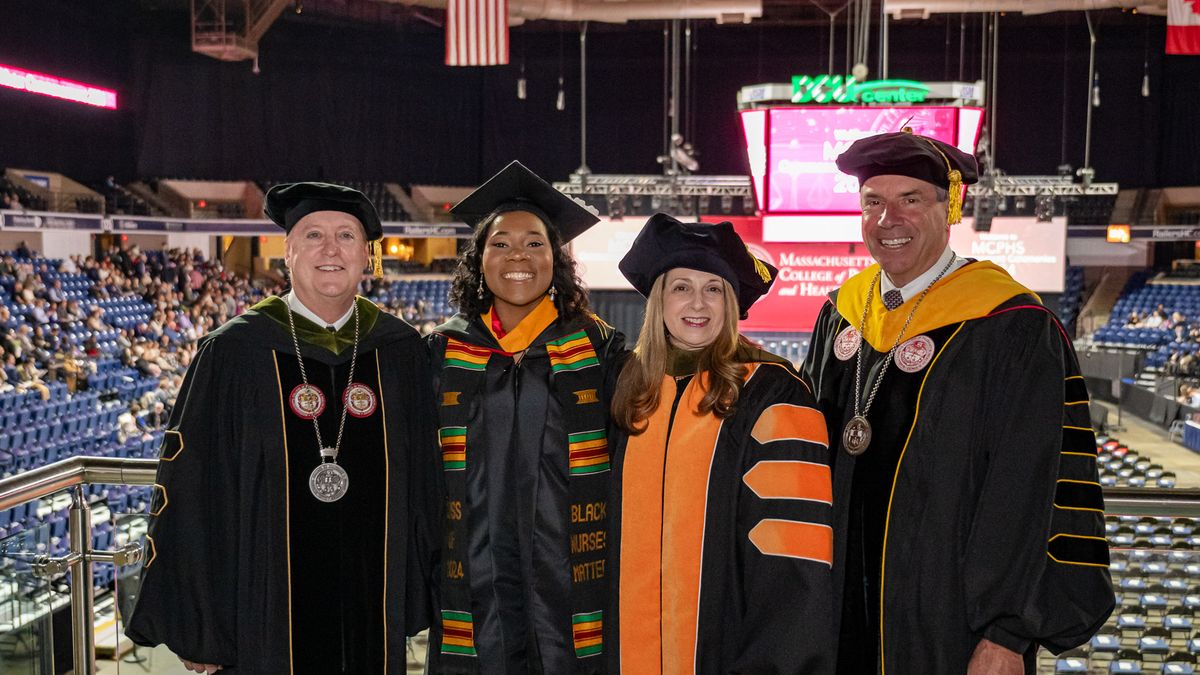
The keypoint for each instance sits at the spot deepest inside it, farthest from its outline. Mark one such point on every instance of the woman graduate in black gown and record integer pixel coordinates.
(723, 521)
(522, 377)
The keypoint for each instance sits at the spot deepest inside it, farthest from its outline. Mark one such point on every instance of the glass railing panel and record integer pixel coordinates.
(27, 600)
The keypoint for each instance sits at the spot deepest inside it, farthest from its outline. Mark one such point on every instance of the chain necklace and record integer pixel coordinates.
(329, 481)
(857, 434)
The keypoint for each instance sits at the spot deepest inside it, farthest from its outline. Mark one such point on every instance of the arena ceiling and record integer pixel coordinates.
(546, 14)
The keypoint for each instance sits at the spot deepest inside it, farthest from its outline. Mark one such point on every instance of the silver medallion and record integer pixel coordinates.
(328, 482)
(857, 435)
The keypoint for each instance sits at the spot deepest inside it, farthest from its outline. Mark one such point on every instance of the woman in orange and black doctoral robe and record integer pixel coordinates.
(722, 523)
(523, 373)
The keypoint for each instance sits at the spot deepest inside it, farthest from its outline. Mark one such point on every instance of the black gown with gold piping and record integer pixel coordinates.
(245, 568)
(975, 512)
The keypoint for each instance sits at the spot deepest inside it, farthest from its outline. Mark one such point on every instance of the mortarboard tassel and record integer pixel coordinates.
(763, 272)
(954, 213)
(377, 259)
(955, 189)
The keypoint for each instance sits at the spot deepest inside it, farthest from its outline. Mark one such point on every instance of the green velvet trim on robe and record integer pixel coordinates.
(309, 332)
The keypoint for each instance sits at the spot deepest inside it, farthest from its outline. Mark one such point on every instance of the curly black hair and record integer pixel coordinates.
(571, 298)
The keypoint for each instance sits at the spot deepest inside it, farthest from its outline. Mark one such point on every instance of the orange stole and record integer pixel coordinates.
(646, 523)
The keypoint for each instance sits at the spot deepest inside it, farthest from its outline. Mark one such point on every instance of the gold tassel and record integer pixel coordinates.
(760, 267)
(954, 214)
(377, 259)
(954, 208)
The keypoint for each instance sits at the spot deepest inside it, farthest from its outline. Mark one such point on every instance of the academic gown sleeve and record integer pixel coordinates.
(784, 535)
(818, 352)
(189, 581)
(1036, 561)
(614, 355)
(426, 491)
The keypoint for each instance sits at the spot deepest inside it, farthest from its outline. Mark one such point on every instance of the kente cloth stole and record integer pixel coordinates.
(576, 381)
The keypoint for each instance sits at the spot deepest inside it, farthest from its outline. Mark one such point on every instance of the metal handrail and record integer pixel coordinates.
(1171, 502)
(72, 474)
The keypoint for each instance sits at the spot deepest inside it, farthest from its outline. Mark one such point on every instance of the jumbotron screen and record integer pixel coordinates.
(792, 149)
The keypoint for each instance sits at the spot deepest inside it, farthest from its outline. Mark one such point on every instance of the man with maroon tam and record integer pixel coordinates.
(969, 521)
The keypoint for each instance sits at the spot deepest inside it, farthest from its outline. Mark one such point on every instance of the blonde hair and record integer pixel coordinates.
(640, 383)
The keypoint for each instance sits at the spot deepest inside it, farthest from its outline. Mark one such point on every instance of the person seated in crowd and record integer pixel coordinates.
(1155, 319)
(55, 292)
(1134, 320)
(30, 377)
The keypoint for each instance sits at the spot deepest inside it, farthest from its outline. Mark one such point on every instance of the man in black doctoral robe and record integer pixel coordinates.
(969, 518)
(291, 527)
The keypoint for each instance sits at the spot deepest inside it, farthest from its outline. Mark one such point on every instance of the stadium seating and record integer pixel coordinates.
(1072, 298)
(434, 293)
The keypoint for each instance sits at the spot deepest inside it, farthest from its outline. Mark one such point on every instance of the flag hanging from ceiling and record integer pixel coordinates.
(1183, 26)
(476, 32)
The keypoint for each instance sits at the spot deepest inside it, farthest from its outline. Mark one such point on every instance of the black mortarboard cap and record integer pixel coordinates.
(287, 203)
(516, 188)
(666, 243)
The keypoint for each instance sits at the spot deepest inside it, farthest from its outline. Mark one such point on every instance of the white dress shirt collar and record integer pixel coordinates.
(299, 308)
(916, 286)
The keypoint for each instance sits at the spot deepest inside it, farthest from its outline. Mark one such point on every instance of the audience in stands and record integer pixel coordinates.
(186, 297)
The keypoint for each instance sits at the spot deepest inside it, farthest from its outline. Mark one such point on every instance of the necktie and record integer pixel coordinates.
(893, 299)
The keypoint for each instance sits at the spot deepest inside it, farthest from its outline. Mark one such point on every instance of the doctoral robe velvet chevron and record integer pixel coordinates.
(976, 510)
(724, 538)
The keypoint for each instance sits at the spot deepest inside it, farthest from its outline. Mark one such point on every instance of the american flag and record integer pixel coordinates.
(476, 32)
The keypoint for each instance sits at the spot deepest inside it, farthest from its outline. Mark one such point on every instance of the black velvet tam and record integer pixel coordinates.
(665, 244)
(287, 203)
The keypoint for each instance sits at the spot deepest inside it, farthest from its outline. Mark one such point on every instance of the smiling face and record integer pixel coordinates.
(325, 255)
(904, 225)
(693, 307)
(518, 264)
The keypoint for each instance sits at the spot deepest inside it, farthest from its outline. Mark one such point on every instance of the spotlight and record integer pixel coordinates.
(616, 207)
(1043, 208)
(727, 204)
